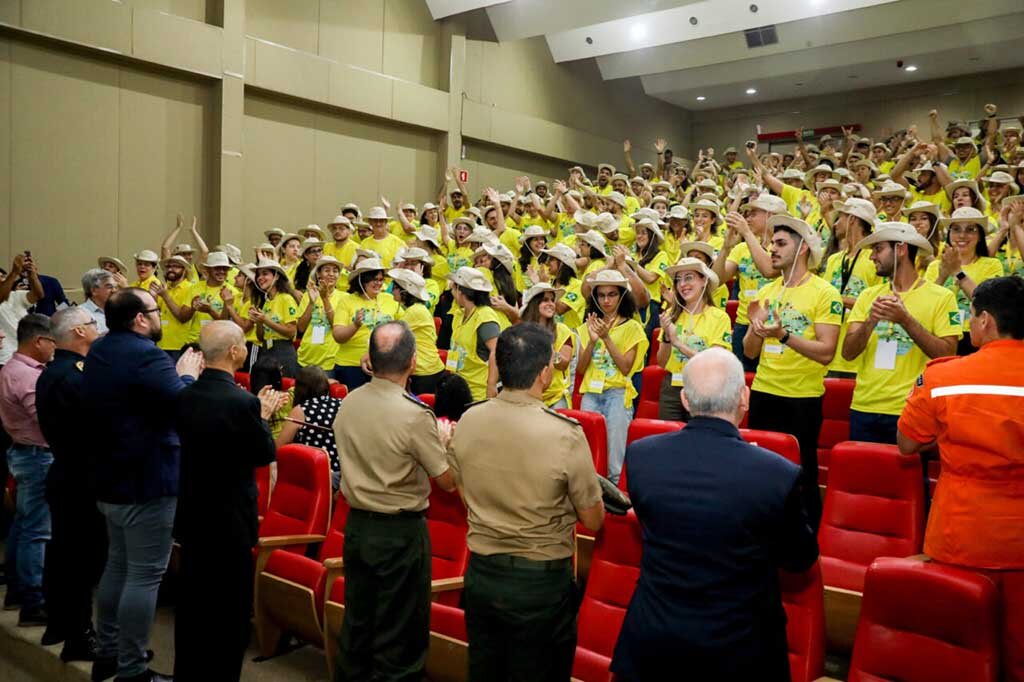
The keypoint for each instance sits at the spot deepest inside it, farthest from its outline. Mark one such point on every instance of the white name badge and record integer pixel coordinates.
(270, 343)
(318, 336)
(596, 384)
(203, 323)
(750, 293)
(452, 362)
(677, 378)
(774, 348)
(885, 355)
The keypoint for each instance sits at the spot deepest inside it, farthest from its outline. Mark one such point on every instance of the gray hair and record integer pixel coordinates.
(93, 279)
(64, 321)
(713, 383)
(217, 337)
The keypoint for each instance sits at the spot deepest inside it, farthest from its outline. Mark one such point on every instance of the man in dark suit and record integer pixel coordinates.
(130, 386)
(720, 518)
(224, 437)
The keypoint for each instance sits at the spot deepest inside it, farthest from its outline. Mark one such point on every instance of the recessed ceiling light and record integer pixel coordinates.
(910, 67)
(638, 32)
(751, 91)
(701, 98)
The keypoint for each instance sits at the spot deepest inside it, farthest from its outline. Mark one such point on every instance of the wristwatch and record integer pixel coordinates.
(784, 338)
(960, 276)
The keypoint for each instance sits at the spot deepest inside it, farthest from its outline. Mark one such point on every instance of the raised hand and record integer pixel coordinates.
(627, 146)
(660, 145)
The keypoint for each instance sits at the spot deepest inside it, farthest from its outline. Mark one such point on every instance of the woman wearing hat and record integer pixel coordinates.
(964, 264)
(289, 254)
(614, 346)
(365, 308)
(535, 238)
(276, 320)
(116, 268)
(649, 263)
(243, 296)
(312, 250)
(591, 246)
(693, 324)
(497, 261)
(560, 262)
(998, 186)
(145, 269)
(706, 217)
(924, 217)
(475, 329)
(460, 249)
(417, 260)
(540, 305)
(705, 253)
(679, 231)
(316, 321)
(413, 298)
(429, 239)
(1006, 242)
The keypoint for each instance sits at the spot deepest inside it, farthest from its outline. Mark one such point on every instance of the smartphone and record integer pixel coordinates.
(751, 144)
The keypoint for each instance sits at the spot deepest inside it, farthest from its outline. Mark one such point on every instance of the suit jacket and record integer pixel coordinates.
(223, 438)
(63, 420)
(129, 387)
(719, 518)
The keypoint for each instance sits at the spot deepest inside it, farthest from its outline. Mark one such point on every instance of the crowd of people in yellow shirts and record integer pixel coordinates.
(852, 256)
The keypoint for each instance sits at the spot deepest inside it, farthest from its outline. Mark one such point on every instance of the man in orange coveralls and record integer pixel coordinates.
(973, 408)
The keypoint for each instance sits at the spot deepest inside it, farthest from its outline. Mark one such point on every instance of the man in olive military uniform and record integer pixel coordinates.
(77, 549)
(526, 476)
(390, 446)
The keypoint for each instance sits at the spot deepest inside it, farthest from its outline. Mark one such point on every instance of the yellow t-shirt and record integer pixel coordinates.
(439, 271)
(281, 309)
(211, 294)
(176, 334)
(658, 265)
(573, 297)
(793, 195)
(144, 283)
(451, 213)
(885, 376)
(421, 323)
(885, 168)
(604, 191)
(242, 308)
(602, 373)
(560, 384)
(595, 265)
(965, 171)
(564, 228)
(459, 256)
(980, 270)
(462, 357)
(386, 248)
(782, 371)
(318, 346)
(376, 312)
(627, 235)
(396, 228)
(193, 273)
(862, 276)
(710, 327)
(346, 253)
(721, 297)
(1010, 257)
(670, 246)
(940, 198)
(717, 240)
(751, 280)
(510, 238)
(289, 270)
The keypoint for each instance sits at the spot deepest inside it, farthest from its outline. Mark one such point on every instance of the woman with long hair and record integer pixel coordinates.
(275, 321)
(366, 307)
(322, 299)
(475, 329)
(311, 251)
(613, 351)
(413, 298)
(289, 254)
(706, 217)
(650, 263)
(534, 240)
(238, 301)
(539, 307)
(415, 259)
(924, 217)
(311, 420)
(560, 262)
(497, 260)
(693, 324)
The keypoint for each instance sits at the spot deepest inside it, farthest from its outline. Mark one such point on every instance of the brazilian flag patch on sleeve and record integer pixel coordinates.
(837, 308)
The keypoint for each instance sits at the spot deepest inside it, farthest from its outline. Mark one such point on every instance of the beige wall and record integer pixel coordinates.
(97, 158)
(302, 165)
(498, 167)
(876, 109)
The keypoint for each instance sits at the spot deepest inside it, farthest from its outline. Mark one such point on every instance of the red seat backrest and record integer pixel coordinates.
(262, 476)
(641, 428)
(655, 343)
(874, 506)
(731, 307)
(242, 379)
(597, 436)
(427, 399)
(443, 354)
(577, 397)
(780, 443)
(614, 570)
(334, 543)
(650, 391)
(339, 391)
(287, 383)
(301, 500)
(437, 325)
(803, 596)
(449, 621)
(446, 522)
(925, 621)
(835, 412)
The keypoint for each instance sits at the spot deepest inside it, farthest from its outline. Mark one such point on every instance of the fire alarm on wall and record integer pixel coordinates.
(463, 176)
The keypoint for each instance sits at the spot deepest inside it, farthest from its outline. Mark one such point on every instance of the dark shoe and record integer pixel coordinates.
(105, 667)
(81, 648)
(52, 636)
(148, 676)
(34, 616)
(12, 602)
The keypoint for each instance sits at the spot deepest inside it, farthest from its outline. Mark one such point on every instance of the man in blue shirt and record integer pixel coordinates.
(720, 517)
(130, 386)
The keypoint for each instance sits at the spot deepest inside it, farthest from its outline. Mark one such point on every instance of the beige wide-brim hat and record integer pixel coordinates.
(708, 185)
(595, 240)
(426, 233)
(539, 289)
(604, 278)
(288, 237)
(648, 213)
(707, 205)
(327, 260)
(820, 168)
(267, 264)
(971, 185)
(923, 207)
(678, 212)
(607, 223)
(703, 247)
(694, 265)
(340, 220)
(606, 166)
(275, 231)
(176, 260)
(807, 234)
(830, 184)
(372, 264)
(531, 232)
(1002, 178)
(320, 233)
(563, 254)
(412, 253)
(616, 198)
(116, 262)
(661, 184)
(311, 244)
(650, 226)
(792, 174)
(183, 248)
(463, 220)
(481, 235)
(895, 232)
(585, 218)
(966, 214)
(147, 256)
(217, 259)
(409, 207)
(858, 208)
(500, 252)
(472, 279)
(660, 200)
(890, 189)
(352, 207)
(966, 141)
(766, 202)
(411, 282)
(377, 213)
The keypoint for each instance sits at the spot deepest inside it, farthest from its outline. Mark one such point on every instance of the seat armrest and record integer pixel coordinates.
(446, 584)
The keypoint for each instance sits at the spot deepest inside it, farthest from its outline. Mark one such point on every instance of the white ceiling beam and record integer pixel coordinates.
(531, 18)
(835, 29)
(439, 9)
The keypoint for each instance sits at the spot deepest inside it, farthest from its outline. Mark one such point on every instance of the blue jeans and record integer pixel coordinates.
(738, 332)
(137, 556)
(30, 531)
(352, 377)
(617, 416)
(873, 428)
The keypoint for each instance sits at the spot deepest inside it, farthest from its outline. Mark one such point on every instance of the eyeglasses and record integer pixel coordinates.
(49, 338)
(963, 229)
(314, 250)
(149, 310)
(686, 279)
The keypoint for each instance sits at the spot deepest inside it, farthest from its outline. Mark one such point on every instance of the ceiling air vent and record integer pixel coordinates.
(761, 36)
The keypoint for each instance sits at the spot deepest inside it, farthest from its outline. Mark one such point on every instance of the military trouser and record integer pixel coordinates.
(386, 629)
(521, 619)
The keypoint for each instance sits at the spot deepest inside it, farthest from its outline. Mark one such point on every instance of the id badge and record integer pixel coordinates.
(750, 294)
(596, 384)
(677, 379)
(270, 343)
(318, 336)
(203, 323)
(775, 348)
(452, 363)
(885, 355)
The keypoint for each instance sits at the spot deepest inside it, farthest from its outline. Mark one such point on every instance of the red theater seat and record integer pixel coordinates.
(577, 397)
(437, 325)
(650, 392)
(448, 653)
(287, 383)
(874, 507)
(339, 391)
(443, 354)
(925, 622)
(655, 343)
(803, 599)
(731, 308)
(642, 428)
(835, 423)
(614, 571)
(242, 379)
(780, 443)
(597, 436)
(301, 500)
(427, 399)
(262, 476)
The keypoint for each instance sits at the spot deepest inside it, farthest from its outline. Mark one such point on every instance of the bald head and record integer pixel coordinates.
(217, 338)
(392, 350)
(713, 386)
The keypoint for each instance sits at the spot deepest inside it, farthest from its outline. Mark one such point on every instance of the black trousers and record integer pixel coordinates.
(427, 383)
(670, 404)
(75, 557)
(386, 630)
(521, 619)
(212, 618)
(800, 417)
